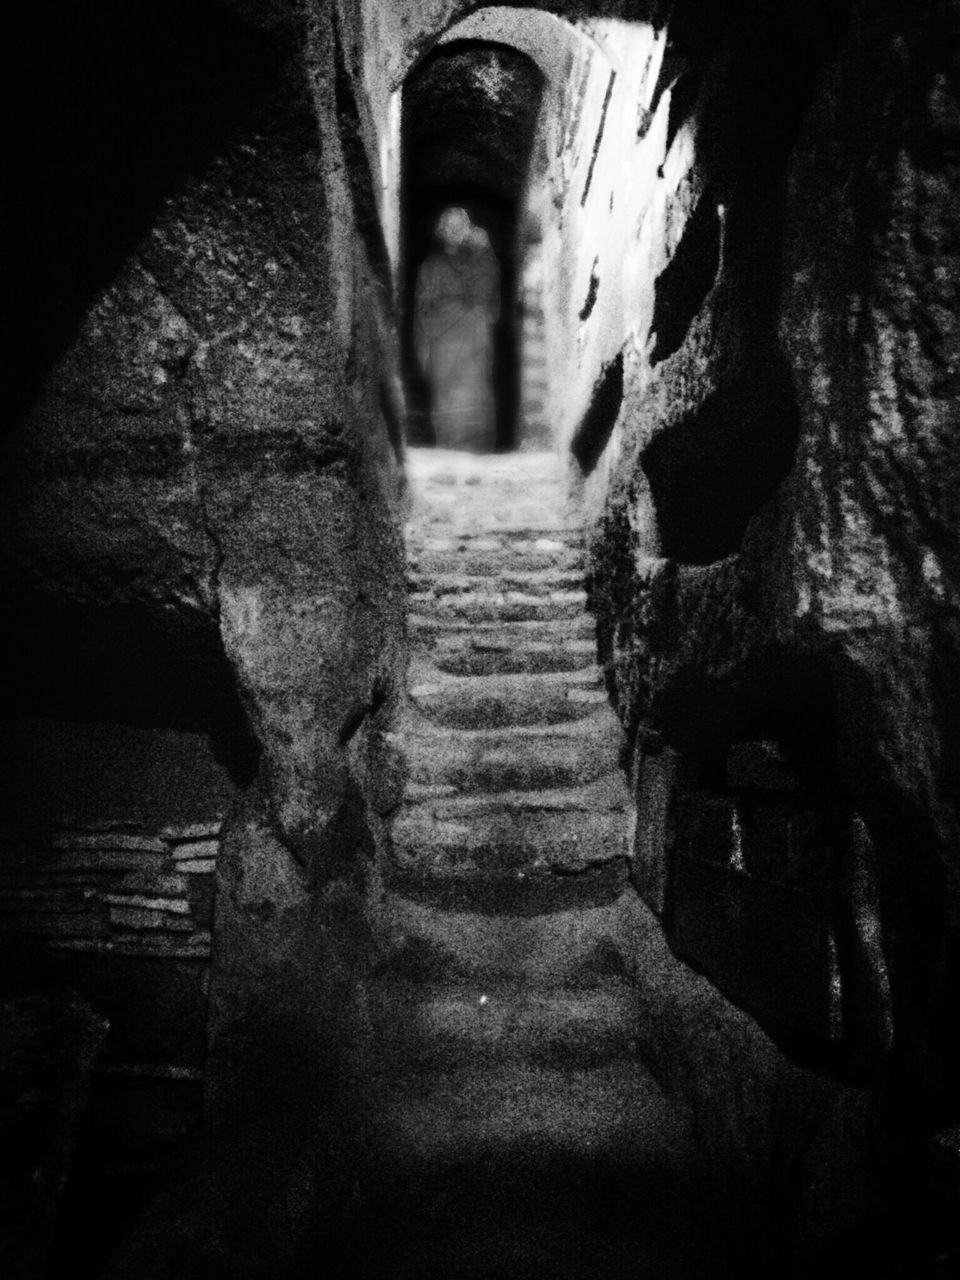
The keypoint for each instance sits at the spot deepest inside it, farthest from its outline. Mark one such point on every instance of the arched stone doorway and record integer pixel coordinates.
(509, 116)
(469, 116)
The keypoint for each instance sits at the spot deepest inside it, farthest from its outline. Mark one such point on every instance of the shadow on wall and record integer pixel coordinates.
(129, 107)
(125, 665)
(712, 472)
(682, 287)
(601, 416)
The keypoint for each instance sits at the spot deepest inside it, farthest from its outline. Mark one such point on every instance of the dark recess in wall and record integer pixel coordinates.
(682, 98)
(124, 665)
(683, 285)
(711, 472)
(593, 433)
(122, 102)
(786, 698)
(693, 37)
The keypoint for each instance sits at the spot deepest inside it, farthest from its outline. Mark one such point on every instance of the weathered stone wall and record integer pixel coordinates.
(214, 451)
(590, 206)
(772, 565)
(869, 529)
(705, 431)
(755, 316)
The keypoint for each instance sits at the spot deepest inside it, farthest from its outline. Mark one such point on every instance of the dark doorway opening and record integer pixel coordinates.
(469, 115)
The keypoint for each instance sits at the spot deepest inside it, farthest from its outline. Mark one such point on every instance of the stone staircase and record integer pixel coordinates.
(509, 1094)
(515, 801)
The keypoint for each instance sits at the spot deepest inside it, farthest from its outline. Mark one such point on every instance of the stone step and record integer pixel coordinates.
(565, 947)
(439, 626)
(453, 466)
(506, 840)
(427, 1026)
(510, 894)
(521, 542)
(501, 486)
(461, 513)
(502, 501)
(498, 482)
(505, 606)
(464, 521)
(522, 548)
(519, 759)
(501, 701)
(503, 473)
(530, 582)
(465, 655)
(605, 795)
(512, 558)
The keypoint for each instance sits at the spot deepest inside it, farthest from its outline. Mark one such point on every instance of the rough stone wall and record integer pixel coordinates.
(216, 449)
(590, 205)
(869, 526)
(772, 566)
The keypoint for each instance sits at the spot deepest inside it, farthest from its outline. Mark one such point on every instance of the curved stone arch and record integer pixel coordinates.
(539, 33)
(546, 38)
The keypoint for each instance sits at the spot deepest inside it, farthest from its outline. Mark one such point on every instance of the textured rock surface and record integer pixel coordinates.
(870, 326)
(742, 238)
(205, 455)
(773, 562)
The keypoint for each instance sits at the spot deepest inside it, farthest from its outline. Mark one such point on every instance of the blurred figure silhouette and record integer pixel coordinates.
(456, 306)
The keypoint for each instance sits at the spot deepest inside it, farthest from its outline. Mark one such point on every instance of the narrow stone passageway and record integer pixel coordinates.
(480, 540)
(512, 1099)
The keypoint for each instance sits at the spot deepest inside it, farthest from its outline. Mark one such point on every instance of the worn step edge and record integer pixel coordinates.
(497, 600)
(509, 844)
(561, 947)
(467, 641)
(424, 679)
(576, 625)
(509, 893)
(521, 543)
(505, 659)
(477, 558)
(605, 794)
(538, 582)
(413, 731)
